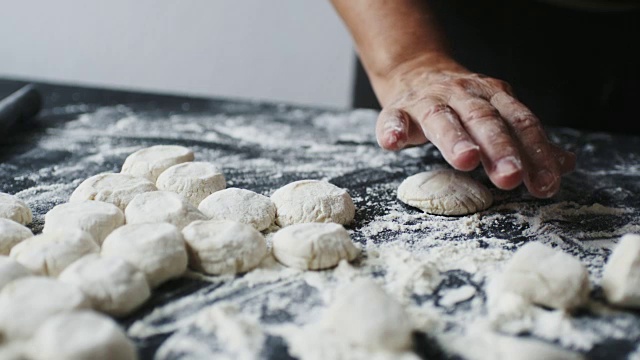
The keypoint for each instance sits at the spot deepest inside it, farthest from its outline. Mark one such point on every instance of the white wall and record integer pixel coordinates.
(286, 50)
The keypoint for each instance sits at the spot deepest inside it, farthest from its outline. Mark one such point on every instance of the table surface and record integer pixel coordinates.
(420, 259)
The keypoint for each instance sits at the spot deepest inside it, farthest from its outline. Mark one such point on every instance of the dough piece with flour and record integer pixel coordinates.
(363, 314)
(150, 162)
(95, 217)
(621, 277)
(111, 284)
(11, 270)
(444, 192)
(240, 205)
(312, 201)
(27, 302)
(48, 254)
(11, 234)
(155, 248)
(117, 189)
(162, 206)
(81, 335)
(193, 180)
(313, 246)
(14, 209)
(224, 247)
(544, 276)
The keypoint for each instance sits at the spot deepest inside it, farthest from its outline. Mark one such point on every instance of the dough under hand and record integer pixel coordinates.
(150, 162)
(14, 209)
(193, 180)
(117, 189)
(312, 201)
(224, 247)
(313, 246)
(95, 217)
(11, 234)
(162, 206)
(444, 192)
(240, 205)
(11, 270)
(621, 277)
(155, 248)
(81, 335)
(111, 284)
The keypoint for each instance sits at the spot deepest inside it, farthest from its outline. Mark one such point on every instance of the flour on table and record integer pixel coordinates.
(14, 209)
(150, 162)
(193, 180)
(95, 217)
(162, 206)
(117, 189)
(11, 234)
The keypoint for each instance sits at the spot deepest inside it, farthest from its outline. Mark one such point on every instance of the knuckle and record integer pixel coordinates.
(525, 121)
(480, 114)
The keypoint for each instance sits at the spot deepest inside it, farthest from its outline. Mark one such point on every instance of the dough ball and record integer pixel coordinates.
(48, 254)
(162, 206)
(95, 217)
(14, 209)
(313, 246)
(444, 192)
(312, 201)
(155, 248)
(27, 302)
(240, 205)
(364, 315)
(81, 335)
(111, 284)
(15, 350)
(193, 180)
(224, 247)
(11, 270)
(117, 189)
(543, 276)
(621, 277)
(12, 233)
(150, 162)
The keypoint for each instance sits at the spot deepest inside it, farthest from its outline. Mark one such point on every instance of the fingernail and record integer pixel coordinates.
(544, 180)
(508, 166)
(463, 146)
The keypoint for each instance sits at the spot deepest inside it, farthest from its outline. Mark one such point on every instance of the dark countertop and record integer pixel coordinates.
(260, 146)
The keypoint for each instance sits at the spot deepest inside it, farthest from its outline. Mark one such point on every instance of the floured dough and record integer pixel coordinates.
(14, 209)
(162, 206)
(11, 270)
(240, 205)
(544, 276)
(95, 217)
(111, 284)
(313, 246)
(150, 162)
(621, 277)
(155, 248)
(27, 302)
(444, 192)
(224, 247)
(81, 335)
(11, 234)
(117, 189)
(193, 180)
(312, 201)
(48, 254)
(363, 314)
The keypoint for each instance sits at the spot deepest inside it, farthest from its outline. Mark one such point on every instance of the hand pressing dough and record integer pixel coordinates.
(544, 276)
(155, 248)
(48, 254)
(313, 246)
(11, 270)
(240, 205)
(162, 206)
(81, 335)
(95, 217)
(27, 302)
(621, 277)
(363, 314)
(11, 234)
(193, 180)
(117, 189)
(150, 162)
(224, 247)
(444, 192)
(111, 284)
(312, 201)
(14, 209)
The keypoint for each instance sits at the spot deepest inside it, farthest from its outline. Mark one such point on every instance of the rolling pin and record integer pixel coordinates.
(18, 108)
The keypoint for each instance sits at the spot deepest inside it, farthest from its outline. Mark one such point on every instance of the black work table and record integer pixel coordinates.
(260, 146)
